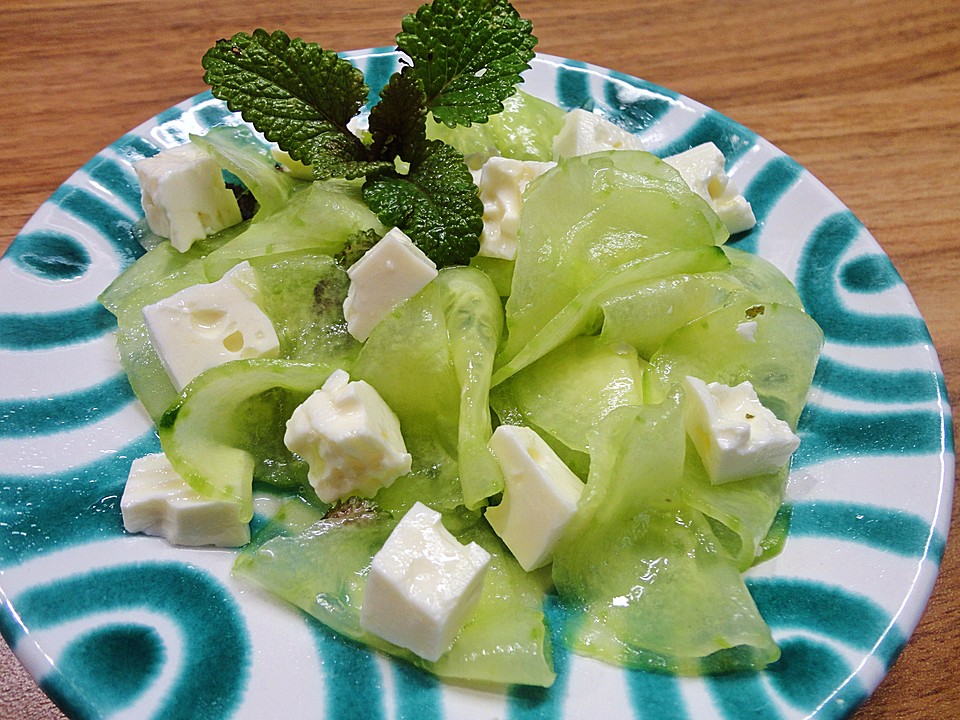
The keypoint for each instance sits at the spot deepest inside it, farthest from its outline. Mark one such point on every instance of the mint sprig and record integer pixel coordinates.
(469, 55)
(435, 203)
(398, 123)
(298, 95)
(465, 58)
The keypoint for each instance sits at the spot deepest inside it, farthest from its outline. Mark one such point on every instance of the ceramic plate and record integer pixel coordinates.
(122, 626)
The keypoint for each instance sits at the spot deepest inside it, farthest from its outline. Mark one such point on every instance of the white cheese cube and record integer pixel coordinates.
(350, 439)
(539, 499)
(183, 195)
(158, 501)
(206, 325)
(502, 182)
(584, 132)
(735, 435)
(423, 585)
(703, 168)
(390, 272)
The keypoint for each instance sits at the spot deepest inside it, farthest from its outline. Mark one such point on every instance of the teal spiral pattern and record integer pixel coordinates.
(127, 627)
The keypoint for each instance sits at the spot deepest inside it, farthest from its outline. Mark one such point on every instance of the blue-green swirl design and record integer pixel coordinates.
(214, 662)
(29, 418)
(818, 271)
(377, 70)
(50, 254)
(891, 531)
(43, 513)
(637, 111)
(110, 223)
(120, 661)
(119, 180)
(44, 331)
(829, 432)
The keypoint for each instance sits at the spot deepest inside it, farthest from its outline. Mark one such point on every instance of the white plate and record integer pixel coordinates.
(127, 627)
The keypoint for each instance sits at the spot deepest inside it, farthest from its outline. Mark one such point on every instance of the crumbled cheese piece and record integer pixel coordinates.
(584, 132)
(539, 499)
(502, 183)
(748, 330)
(703, 168)
(359, 125)
(350, 439)
(158, 501)
(206, 325)
(735, 435)
(423, 585)
(183, 195)
(390, 272)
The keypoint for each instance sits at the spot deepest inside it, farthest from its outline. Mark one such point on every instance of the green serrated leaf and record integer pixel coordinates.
(435, 204)
(469, 54)
(398, 123)
(297, 94)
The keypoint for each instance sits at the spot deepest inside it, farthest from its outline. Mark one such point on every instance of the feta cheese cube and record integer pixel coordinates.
(158, 501)
(735, 435)
(183, 195)
(502, 182)
(703, 169)
(539, 499)
(349, 437)
(423, 585)
(584, 132)
(206, 325)
(390, 272)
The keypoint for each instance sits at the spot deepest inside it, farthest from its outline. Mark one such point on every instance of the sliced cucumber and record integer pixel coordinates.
(523, 131)
(240, 152)
(302, 293)
(321, 217)
(583, 314)
(654, 587)
(778, 354)
(156, 275)
(568, 391)
(320, 564)
(592, 214)
(230, 420)
(431, 359)
(645, 314)
(474, 321)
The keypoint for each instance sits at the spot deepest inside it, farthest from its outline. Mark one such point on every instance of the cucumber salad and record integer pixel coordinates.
(462, 374)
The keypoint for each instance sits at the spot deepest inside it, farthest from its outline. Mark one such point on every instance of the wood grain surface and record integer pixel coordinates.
(863, 93)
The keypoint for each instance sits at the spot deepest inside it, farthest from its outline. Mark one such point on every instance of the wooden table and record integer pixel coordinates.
(863, 93)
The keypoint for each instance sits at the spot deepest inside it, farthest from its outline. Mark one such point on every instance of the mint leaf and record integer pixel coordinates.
(297, 94)
(435, 204)
(398, 123)
(469, 55)
(467, 58)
